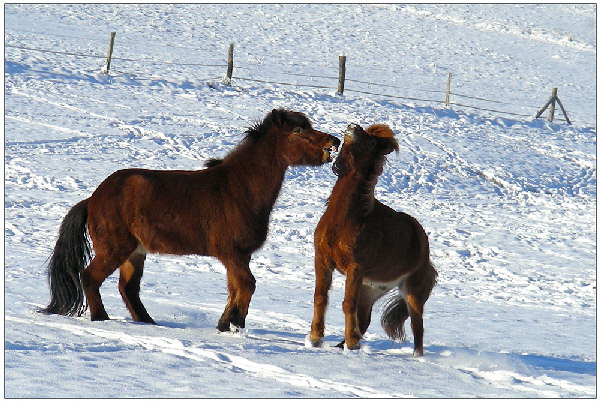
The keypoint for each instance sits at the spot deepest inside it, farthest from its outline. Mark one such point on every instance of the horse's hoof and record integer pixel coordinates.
(223, 326)
(232, 319)
(233, 328)
(343, 345)
(308, 342)
(354, 347)
(146, 321)
(238, 322)
(418, 353)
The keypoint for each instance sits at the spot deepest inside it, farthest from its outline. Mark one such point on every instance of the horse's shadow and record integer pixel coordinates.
(494, 361)
(282, 342)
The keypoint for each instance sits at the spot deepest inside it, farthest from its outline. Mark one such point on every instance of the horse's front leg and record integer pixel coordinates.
(323, 278)
(241, 285)
(350, 307)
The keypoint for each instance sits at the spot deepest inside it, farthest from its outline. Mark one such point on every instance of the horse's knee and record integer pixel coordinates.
(90, 277)
(364, 319)
(128, 290)
(86, 279)
(415, 306)
(129, 278)
(349, 306)
(321, 301)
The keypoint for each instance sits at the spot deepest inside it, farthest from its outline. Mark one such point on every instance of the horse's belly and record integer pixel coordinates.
(156, 240)
(384, 286)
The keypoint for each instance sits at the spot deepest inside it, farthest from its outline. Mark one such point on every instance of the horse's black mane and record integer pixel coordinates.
(277, 117)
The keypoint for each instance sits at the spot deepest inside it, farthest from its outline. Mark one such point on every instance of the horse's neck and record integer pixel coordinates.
(353, 195)
(263, 169)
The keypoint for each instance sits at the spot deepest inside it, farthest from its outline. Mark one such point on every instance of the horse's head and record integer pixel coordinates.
(363, 149)
(302, 145)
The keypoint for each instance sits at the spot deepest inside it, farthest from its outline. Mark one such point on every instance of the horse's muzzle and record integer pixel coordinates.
(327, 151)
(350, 132)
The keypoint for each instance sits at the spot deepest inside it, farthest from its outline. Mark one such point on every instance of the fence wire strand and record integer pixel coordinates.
(275, 82)
(150, 61)
(331, 87)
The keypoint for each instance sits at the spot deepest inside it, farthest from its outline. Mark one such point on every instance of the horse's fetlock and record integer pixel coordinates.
(231, 317)
(238, 321)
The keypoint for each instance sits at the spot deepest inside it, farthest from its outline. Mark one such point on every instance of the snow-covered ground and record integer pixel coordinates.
(509, 202)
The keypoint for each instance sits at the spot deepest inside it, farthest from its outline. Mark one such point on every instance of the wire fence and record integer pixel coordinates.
(324, 82)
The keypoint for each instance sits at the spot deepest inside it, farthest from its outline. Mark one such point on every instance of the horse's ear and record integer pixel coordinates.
(277, 117)
(380, 130)
(387, 145)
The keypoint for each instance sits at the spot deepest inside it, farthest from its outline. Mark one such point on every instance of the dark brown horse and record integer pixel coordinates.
(378, 249)
(222, 211)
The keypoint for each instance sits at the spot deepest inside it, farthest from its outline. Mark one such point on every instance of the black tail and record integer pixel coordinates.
(70, 256)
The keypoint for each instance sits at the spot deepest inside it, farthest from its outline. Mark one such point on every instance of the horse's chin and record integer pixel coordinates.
(328, 154)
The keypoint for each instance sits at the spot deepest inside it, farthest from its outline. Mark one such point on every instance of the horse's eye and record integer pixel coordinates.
(297, 130)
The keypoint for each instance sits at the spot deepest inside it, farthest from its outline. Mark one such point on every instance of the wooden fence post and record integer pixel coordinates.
(106, 67)
(562, 108)
(227, 79)
(552, 104)
(448, 90)
(342, 75)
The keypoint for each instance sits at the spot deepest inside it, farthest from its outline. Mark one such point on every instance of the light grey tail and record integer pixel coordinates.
(395, 311)
(394, 314)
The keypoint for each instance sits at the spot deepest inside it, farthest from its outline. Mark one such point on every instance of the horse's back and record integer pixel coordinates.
(179, 212)
(154, 207)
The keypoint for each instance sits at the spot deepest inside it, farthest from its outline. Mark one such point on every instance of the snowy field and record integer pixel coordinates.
(509, 202)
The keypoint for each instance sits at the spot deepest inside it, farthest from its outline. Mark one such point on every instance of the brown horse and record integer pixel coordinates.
(222, 211)
(378, 249)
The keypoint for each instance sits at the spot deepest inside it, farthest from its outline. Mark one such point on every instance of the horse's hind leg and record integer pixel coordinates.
(418, 288)
(92, 278)
(129, 286)
(415, 310)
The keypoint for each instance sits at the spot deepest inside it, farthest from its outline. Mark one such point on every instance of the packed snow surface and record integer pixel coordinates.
(508, 201)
